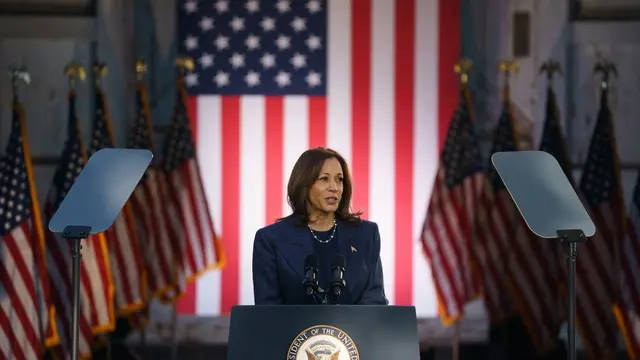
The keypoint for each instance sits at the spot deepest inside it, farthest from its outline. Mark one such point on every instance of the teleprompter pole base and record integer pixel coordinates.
(76, 234)
(571, 238)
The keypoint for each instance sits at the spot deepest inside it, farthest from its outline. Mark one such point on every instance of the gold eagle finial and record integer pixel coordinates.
(185, 64)
(508, 67)
(550, 67)
(75, 72)
(141, 68)
(99, 71)
(18, 75)
(463, 67)
(606, 68)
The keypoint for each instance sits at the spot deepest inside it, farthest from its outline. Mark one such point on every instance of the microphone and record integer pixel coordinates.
(338, 267)
(310, 282)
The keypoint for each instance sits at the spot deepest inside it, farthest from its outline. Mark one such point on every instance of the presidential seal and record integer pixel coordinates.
(323, 342)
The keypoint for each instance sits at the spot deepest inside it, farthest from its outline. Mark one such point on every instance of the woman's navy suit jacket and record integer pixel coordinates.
(280, 250)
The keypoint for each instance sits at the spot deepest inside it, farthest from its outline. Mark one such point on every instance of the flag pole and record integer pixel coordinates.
(462, 67)
(550, 68)
(99, 71)
(183, 64)
(75, 72)
(508, 67)
(141, 69)
(455, 343)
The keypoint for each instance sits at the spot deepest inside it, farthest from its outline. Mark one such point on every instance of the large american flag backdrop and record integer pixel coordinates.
(372, 79)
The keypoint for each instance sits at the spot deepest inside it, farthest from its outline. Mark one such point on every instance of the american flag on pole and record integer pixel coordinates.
(598, 259)
(450, 216)
(127, 265)
(553, 142)
(371, 79)
(96, 290)
(628, 311)
(150, 210)
(552, 139)
(538, 291)
(26, 313)
(200, 246)
(494, 227)
(517, 282)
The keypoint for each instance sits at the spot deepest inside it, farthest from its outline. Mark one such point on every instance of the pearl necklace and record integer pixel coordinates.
(330, 237)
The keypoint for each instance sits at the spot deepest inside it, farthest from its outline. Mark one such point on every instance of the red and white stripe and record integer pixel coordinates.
(516, 274)
(628, 311)
(96, 290)
(533, 271)
(596, 281)
(200, 248)
(517, 278)
(151, 214)
(493, 221)
(154, 226)
(126, 263)
(391, 95)
(26, 312)
(598, 265)
(447, 243)
(25, 318)
(124, 247)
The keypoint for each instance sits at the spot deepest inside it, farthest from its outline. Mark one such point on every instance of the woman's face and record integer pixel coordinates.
(326, 192)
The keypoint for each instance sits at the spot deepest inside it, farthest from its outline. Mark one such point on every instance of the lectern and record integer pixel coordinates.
(92, 205)
(319, 332)
(551, 209)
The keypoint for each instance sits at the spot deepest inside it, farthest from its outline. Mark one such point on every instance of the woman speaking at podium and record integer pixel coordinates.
(322, 253)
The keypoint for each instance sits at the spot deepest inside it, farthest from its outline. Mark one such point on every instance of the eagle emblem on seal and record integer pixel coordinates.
(323, 350)
(323, 342)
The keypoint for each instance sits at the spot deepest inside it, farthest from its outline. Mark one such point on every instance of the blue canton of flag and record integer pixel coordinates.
(72, 160)
(600, 175)
(15, 198)
(503, 140)
(552, 140)
(140, 137)
(180, 146)
(100, 139)
(252, 47)
(461, 155)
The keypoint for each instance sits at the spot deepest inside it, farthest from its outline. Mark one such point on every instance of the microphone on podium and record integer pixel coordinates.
(310, 282)
(338, 284)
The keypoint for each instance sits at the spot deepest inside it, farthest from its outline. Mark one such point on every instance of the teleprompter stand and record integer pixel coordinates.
(551, 209)
(92, 205)
(571, 238)
(76, 234)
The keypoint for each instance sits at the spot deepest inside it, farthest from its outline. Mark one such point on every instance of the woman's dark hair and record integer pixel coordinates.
(305, 173)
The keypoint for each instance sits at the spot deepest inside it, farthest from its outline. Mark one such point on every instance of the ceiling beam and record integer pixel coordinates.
(48, 27)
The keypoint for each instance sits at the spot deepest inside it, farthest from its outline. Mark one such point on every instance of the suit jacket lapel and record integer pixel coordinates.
(297, 248)
(299, 245)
